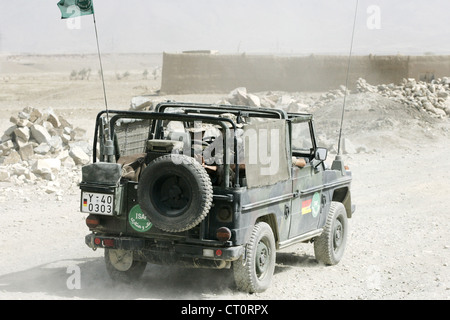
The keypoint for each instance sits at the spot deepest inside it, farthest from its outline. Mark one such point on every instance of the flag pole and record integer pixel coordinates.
(109, 146)
(101, 65)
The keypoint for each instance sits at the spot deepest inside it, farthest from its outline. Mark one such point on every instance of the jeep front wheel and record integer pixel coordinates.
(122, 267)
(254, 272)
(329, 247)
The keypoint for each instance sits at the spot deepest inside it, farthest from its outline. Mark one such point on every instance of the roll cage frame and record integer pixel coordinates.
(207, 113)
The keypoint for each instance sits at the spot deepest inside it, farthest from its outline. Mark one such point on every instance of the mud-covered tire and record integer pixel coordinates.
(123, 271)
(329, 247)
(254, 272)
(175, 192)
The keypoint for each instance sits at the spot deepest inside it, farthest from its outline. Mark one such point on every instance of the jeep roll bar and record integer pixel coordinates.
(172, 117)
(218, 109)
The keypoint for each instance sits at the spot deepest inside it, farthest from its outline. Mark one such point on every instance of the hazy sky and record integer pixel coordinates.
(230, 26)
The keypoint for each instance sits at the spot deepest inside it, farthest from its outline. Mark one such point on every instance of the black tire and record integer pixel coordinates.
(329, 247)
(254, 274)
(175, 193)
(129, 271)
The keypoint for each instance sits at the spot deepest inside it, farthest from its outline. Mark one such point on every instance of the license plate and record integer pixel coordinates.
(98, 203)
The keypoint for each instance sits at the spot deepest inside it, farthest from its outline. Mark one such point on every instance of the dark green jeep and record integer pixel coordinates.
(212, 186)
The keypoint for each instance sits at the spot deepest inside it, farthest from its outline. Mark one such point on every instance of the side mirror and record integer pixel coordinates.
(321, 154)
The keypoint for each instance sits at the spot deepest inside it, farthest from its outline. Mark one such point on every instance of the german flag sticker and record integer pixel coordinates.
(306, 206)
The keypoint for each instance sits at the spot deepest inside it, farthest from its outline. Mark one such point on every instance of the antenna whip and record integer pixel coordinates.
(346, 81)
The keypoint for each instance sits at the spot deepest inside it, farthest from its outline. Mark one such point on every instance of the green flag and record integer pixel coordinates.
(75, 8)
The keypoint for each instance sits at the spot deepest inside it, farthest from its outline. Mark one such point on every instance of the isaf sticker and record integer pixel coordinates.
(315, 204)
(138, 220)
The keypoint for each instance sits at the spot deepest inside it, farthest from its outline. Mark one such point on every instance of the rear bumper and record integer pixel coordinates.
(168, 252)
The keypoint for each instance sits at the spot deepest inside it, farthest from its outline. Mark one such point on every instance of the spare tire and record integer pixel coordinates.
(175, 192)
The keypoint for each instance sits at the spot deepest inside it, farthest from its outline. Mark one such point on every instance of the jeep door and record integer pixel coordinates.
(306, 181)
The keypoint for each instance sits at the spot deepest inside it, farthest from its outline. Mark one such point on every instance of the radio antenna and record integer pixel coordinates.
(346, 81)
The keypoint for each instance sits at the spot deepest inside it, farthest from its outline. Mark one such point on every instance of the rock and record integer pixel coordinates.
(43, 148)
(297, 107)
(77, 134)
(140, 103)
(64, 122)
(12, 158)
(18, 169)
(267, 103)
(24, 115)
(65, 138)
(30, 176)
(10, 131)
(26, 152)
(286, 100)
(44, 165)
(40, 134)
(238, 96)
(46, 168)
(84, 145)
(5, 138)
(13, 120)
(54, 120)
(253, 100)
(23, 123)
(4, 175)
(22, 133)
(442, 94)
(79, 156)
(51, 189)
(55, 143)
(68, 163)
(6, 147)
(34, 115)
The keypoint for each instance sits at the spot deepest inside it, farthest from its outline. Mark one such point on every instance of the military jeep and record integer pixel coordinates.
(213, 186)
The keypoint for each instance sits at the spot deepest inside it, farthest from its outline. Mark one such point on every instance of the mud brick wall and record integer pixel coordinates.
(212, 73)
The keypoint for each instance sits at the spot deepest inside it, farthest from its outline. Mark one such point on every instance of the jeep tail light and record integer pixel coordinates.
(108, 243)
(223, 234)
(92, 221)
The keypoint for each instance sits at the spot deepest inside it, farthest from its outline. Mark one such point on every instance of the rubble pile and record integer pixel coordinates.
(433, 97)
(289, 102)
(43, 146)
(270, 99)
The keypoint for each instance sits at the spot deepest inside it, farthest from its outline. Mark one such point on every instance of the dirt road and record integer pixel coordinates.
(398, 248)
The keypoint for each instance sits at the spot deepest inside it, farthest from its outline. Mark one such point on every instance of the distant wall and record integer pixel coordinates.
(212, 73)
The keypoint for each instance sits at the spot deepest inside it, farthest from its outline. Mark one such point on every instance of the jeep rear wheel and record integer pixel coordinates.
(254, 274)
(175, 193)
(122, 267)
(329, 247)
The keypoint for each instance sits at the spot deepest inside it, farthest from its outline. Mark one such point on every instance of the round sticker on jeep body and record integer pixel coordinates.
(315, 204)
(138, 220)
